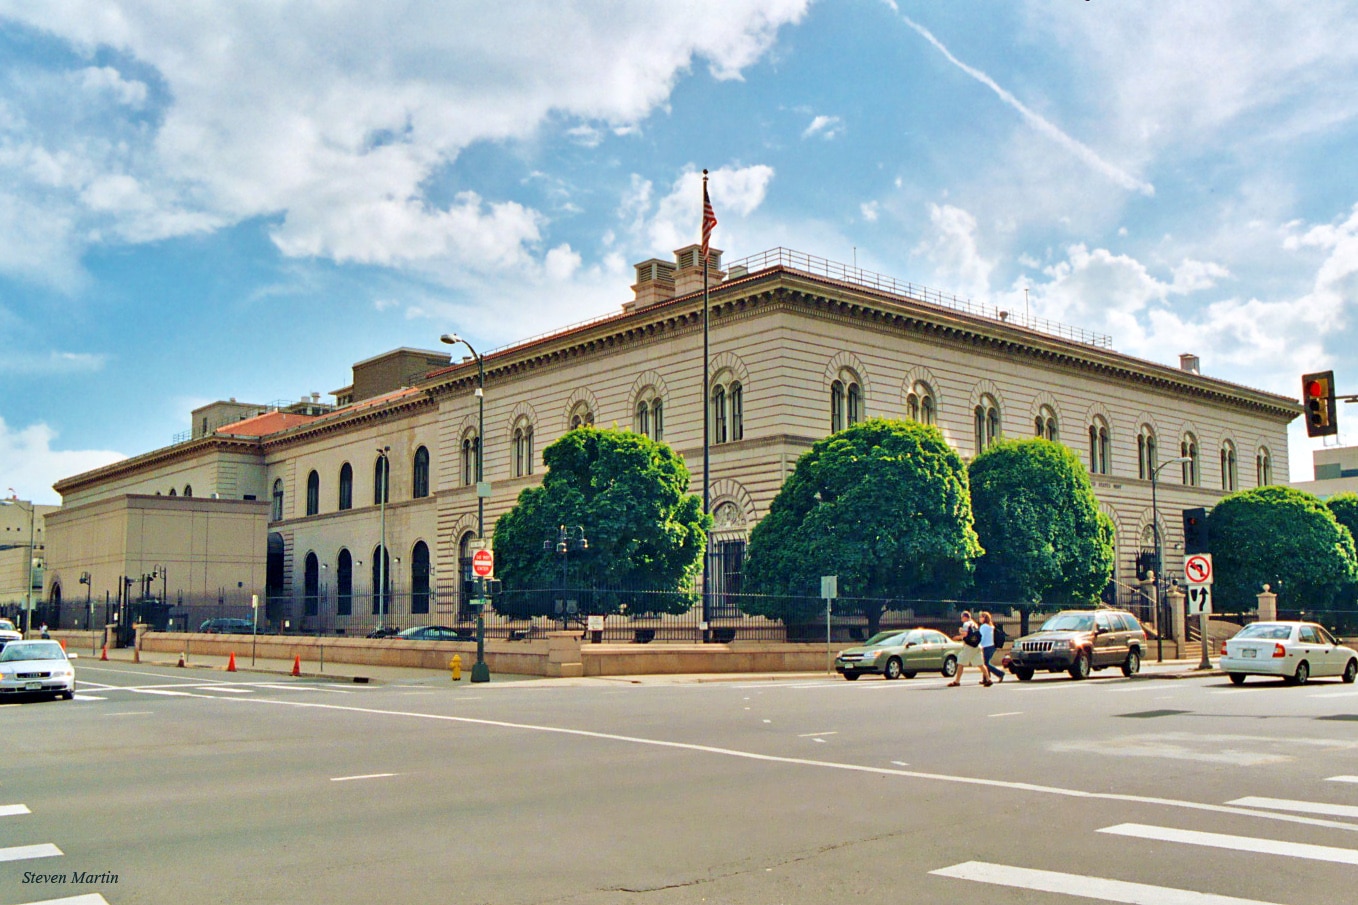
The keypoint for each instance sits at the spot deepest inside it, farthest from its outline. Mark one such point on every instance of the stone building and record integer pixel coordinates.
(800, 347)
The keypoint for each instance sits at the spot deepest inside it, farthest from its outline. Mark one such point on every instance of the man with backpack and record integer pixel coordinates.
(970, 655)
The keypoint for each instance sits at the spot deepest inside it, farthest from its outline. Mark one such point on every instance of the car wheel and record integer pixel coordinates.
(1132, 665)
(1350, 672)
(893, 668)
(851, 676)
(1237, 678)
(909, 673)
(949, 667)
(1024, 673)
(1302, 675)
(1080, 669)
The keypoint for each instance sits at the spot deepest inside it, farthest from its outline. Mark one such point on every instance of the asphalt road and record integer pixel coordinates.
(196, 786)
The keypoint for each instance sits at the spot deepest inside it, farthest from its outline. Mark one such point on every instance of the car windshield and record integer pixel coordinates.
(6, 625)
(1069, 622)
(32, 650)
(1268, 631)
(885, 639)
(413, 632)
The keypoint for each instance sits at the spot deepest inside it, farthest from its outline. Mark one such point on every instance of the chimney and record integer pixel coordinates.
(655, 283)
(1189, 362)
(689, 276)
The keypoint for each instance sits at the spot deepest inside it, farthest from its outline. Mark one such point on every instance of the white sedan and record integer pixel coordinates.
(36, 667)
(1293, 651)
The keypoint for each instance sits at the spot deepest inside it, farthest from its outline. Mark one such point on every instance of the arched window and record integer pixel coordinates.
(719, 414)
(346, 487)
(174, 492)
(419, 578)
(313, 493)
(471, 451)
(420, 485)
(1228, 467)
(846, 401)
(344, 583)
(1146, 453)
(581, 416)
(278, 499)
(987, 422)
(643, 425)
(381, 569)
(311, 584)
(188, 490)
(1044, 424)
(1100, 446)
(735, 398)
(1188, 449)
(523, 448)
(381, 480)
(1263, 467)
(919, 403)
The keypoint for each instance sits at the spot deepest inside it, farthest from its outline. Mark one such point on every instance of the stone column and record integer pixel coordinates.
(563, 655)
(1175, 602)
(1268, 605)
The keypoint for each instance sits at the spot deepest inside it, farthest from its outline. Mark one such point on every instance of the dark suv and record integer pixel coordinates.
(1078, 641)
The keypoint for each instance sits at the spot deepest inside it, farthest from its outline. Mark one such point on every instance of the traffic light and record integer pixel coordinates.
(1317, 394)
(493, 587)
(1195, 531)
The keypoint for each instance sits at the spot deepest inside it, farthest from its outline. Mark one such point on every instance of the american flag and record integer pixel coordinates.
(709, 217)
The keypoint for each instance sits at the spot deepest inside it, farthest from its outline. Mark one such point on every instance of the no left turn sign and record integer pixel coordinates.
(1198, 569)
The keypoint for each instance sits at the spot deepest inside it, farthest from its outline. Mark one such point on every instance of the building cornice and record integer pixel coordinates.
(189, 449)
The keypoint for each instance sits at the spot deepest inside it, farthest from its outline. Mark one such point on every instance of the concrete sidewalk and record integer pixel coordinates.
(350, 672)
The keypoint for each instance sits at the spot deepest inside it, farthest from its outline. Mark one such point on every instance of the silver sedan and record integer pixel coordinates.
(36, 667)
(1293, 651)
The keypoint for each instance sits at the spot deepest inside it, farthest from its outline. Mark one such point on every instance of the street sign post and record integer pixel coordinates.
(829, 590)
(1198, 569)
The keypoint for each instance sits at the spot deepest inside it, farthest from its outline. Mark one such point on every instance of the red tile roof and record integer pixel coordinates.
(262, 425)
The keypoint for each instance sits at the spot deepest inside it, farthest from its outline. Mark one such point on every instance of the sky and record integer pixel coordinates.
(242, 198)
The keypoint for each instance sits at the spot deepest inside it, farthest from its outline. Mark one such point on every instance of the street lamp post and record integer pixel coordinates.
(32, 551)
(480, 670)
(382, 554)
(568, 538)
(1159, 569)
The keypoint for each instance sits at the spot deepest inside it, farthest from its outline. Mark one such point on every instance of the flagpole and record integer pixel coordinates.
(707, 422)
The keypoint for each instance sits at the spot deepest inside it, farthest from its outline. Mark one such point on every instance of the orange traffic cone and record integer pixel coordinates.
(231, 663)
(62, 642)
(181, 660)
(103, 654)
(297, 665)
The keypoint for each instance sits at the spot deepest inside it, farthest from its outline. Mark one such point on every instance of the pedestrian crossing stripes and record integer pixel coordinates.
(13, 810)
(1299, 807)
(1104, 890)
(1236, 843)
(24, 852)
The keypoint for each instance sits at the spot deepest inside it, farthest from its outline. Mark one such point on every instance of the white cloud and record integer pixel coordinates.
(50, 363)
(675, 219)
(870, 210)
(953, 251)
(32, 466)
(294, 111)
(827, 127)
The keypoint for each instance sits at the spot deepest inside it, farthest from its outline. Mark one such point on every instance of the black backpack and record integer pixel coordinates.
(972, 638)
(1000, 636)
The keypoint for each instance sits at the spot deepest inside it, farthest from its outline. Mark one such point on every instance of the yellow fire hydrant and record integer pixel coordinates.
(455, 665)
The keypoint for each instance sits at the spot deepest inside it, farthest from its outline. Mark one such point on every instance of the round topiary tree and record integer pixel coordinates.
(1039, 522)
(1285, 538)
(883, 505)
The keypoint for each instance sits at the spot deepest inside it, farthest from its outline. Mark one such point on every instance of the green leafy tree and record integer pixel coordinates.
(646, 532)
(883, 505)
(1283, 537)
(1345, 509)
(1038, 519)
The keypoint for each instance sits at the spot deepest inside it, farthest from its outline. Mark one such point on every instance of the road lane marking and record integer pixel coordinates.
(809, 762)
(166, 692)
(129, 713)
(87, 697)
(1006, 713)
(156, 675)
(299, 687)
(13, 810)
(814, 734)
(1236, 843)
(1300, 807)
(24, 852)
(363, 776)
(1342, 779)
(229, 689)
(1335, 694)
(1085, 887)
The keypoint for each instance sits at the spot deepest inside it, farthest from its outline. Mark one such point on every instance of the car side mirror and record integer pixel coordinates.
(909, 644)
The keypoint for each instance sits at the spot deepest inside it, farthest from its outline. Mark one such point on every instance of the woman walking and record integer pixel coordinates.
(970, 655)
(989, 644)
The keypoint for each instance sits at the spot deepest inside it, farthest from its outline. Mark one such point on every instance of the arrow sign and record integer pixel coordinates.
(1200, 600)
(1198, 569)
